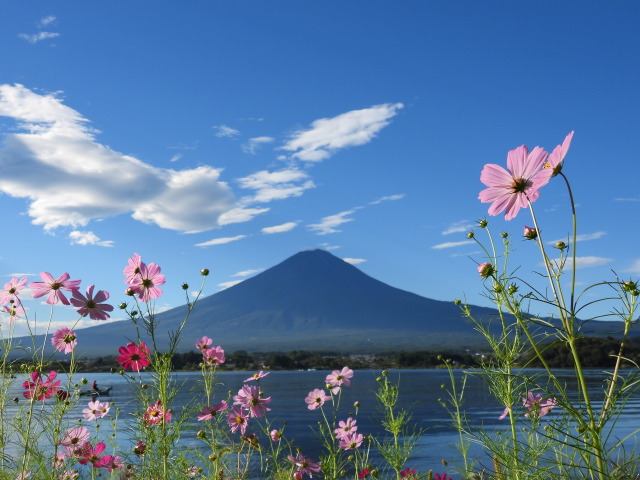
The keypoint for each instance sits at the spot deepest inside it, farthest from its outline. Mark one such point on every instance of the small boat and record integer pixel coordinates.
(99, 392)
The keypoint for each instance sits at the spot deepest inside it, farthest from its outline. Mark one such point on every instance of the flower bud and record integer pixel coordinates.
(457, 302)
(185, 286)
(497, 288)
(204, 272)
(504, 234)
(16, 399)
(560, 245)
(139, 448)
(470, 235)
(482, 223)
(485, 270)
(84, 381)
(530, 233)
(201, 434)
(130, 292)
(512, 289)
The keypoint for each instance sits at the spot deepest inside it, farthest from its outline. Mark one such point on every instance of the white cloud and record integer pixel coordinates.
(37, 37)
(176, 157)
(44, 21)
(88, 238)
(327, 135)
(224, 131)
(328, 247)
(583, 238)
(388, 198)
(225, 285)
(246, 273)
(70, 179)
(458, 227)
(276, 185)
(619, 199)
(329, 224)
(584, 262)
(220, 241)
(633, 269)
(285, 227)
(240, 215)
(252, 145)
(440, 246)
(354, 261)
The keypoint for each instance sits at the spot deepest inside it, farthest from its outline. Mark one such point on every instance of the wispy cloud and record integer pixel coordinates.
(634, 269)
(220, 241)
(328, 135)
(354, 261)
(284, 227)
(240, 215)
(44, 21)
(225, 285)
(585, 262)
(583, 237)
(88, 238)
(388, 198)
(328, 247)
(440, 246)
(328, 224)
(37, 37)
(276, 185)
(252, 145)
(458, 227)
(225, 131)
(69, 178)
(176, 157)
(246, 273)
(621, 199)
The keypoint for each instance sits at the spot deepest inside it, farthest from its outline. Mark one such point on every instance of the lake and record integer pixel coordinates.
(420, 390)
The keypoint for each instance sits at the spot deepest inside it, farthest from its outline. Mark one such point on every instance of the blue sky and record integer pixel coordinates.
(231, 135)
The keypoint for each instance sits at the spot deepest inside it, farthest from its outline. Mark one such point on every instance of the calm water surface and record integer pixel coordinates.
(420, 390)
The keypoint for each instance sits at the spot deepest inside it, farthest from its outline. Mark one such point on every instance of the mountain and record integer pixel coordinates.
(311, 301)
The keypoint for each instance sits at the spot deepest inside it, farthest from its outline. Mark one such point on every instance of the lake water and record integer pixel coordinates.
(419, 390)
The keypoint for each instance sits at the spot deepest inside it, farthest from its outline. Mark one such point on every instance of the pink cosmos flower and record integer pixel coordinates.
(556, 159)
(52, 288)
(15, 310)
(156, 413)
(250, 398)
(91, 454)
(514, 189)
(537, 406)
(275, 435)
(91, 305)
(256, 376)
(238, 420)
(145, 285)
(70, 475)
(306, 466)
(505, 413)
(74, 438)
(112, 463)
(337, 378)
(58, 460)
(209, 412)
(11, 289)
(193, 471)
(134, 357)
(351, 442)
(64, 340)
(96, 410)
(203, 343)
(213, 356)
(39, 390)
(345, 428)
(316, 399)
(132, 271)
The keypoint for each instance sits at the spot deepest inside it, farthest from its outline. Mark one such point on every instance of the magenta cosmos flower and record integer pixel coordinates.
(556, 159)
(52, 288)
(11, 289)
(316, 398)
(91, 305)
(537, 406)
(256, 376)
(134, 357)
(305, 465)
(515, 189)
(250, 398)
(91, 454)
(38, 389)
(337, 378)
(64, 340)
(238, 420)
(96, 410)
(208, 413)
(145, 285)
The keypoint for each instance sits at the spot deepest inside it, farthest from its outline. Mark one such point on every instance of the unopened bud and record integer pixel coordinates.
(185, 286)
(457, 302)
(512, 289)
(130, 292)
(485, 270)
(482, 223)
(504, 234)
(560, 245)
(123, 306)
(204, 272)
(471, 235)
(530, 233)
